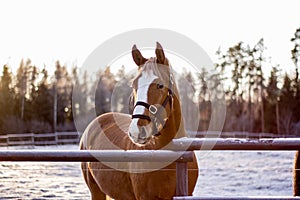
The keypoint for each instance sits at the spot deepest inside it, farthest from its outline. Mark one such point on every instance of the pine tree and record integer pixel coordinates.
(258, 52)
(121, 93)
(44, 100)
(273, 93)
(62, 91)
(296, 81)
(296, 50)
(6, 96)
(234, 60)
(204, 101)
(104, 90)
(286, 105)
(189, 108)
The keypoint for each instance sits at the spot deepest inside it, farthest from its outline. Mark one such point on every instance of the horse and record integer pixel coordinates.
(156, 119)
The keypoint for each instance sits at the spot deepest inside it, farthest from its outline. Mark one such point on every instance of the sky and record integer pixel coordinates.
(50, 30)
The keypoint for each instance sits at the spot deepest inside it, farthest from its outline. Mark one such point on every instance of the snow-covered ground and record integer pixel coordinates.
(245, 173)
(226, 173)
(42, 180)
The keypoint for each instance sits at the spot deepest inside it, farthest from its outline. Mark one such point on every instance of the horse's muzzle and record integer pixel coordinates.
(140, 136)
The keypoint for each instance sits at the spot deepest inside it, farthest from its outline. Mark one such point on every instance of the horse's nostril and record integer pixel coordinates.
(143, 132)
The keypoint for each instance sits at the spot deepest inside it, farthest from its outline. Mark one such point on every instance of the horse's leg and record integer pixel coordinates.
(297, 174)
(96, 193)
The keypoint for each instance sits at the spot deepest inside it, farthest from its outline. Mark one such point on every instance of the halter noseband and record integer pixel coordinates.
(155, 112)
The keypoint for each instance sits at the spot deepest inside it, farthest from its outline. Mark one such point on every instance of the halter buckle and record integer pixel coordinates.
(152, 109)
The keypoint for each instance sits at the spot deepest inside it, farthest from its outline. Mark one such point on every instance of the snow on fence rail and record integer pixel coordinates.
(215, 134)
(236, 198)
(262, 144)
(31, 139)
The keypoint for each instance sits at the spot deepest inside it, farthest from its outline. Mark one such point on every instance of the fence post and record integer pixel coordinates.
(32, 139)
(181, 178)
(56, 138)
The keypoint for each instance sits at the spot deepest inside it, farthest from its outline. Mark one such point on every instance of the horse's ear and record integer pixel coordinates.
(137, 56)
(160, 55)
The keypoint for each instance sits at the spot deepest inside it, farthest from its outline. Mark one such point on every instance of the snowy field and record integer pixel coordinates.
(229, 173)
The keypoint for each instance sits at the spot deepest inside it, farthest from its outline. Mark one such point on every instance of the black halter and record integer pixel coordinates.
(155, 113)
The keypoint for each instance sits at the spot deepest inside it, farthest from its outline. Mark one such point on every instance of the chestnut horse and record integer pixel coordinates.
(155, 121)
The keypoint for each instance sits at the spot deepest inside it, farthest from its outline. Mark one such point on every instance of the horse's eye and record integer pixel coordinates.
(160, 86)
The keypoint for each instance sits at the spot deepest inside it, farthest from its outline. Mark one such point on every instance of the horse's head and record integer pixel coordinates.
(153, 95)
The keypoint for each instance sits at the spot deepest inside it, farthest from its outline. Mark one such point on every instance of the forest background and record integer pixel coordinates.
(32, 100)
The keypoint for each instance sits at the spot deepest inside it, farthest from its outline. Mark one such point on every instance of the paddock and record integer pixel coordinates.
(177, 152)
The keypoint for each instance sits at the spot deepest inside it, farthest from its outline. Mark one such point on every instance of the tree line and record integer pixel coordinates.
(32, 100)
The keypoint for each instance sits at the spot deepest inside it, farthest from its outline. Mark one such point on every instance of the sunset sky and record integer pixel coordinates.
(46, 31)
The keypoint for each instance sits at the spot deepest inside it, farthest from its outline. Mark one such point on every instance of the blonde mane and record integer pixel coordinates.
(162, 72)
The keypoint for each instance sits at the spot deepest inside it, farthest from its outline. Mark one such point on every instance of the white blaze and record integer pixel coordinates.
(144, 83)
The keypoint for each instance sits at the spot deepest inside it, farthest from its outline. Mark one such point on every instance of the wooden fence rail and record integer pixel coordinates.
(96, 156)
(32, 139)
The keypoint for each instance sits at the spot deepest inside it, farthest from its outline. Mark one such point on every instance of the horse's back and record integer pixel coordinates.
(108, 131)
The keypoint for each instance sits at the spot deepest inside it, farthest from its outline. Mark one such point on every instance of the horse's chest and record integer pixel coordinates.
(154, 185)
(123, 185)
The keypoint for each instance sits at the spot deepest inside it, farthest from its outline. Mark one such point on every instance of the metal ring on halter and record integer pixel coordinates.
(153, 109)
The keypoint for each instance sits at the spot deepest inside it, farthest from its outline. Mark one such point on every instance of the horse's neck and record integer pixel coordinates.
(176, 118)
(174, 127)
